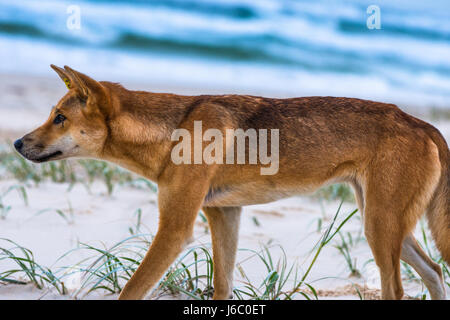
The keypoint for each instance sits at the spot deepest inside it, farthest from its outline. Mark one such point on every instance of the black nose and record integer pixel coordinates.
(18, 144)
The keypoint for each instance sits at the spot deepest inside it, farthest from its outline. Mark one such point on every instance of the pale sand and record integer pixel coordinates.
(101, 219)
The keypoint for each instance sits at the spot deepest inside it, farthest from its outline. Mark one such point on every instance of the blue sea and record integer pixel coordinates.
(267, 47)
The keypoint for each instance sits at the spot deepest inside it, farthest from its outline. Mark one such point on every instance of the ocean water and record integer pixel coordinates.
(267, 47)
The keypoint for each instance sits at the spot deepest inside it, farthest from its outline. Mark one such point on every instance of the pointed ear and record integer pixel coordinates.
(85, 85)
(63, 75)
(90, 91)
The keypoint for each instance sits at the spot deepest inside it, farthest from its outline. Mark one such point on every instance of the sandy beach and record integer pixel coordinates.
(94, 217)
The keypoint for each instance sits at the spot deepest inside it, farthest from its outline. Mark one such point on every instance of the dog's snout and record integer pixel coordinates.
(18, 144)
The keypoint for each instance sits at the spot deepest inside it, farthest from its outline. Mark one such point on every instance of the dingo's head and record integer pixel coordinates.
(76, 126)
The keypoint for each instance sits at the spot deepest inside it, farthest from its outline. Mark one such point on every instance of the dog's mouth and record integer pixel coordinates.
(47, 157)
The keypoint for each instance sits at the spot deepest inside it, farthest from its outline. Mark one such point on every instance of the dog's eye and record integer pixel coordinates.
(59, 119)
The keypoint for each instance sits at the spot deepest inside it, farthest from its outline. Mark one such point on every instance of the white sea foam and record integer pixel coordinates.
(286, 48)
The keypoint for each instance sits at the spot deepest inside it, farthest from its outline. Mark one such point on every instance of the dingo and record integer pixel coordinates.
(398, 166)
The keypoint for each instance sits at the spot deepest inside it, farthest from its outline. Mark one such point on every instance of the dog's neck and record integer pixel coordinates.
(140, 129)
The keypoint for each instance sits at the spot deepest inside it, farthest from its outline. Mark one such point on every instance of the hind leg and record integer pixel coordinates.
(430, 271)
(389, 216)
(399, 184)
(385, 243)
(386, 225)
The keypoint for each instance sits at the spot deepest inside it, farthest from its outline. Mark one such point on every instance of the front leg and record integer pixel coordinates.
(179, 202)
(224, 225)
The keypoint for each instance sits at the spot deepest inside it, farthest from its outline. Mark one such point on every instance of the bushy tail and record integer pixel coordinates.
(438, 212)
